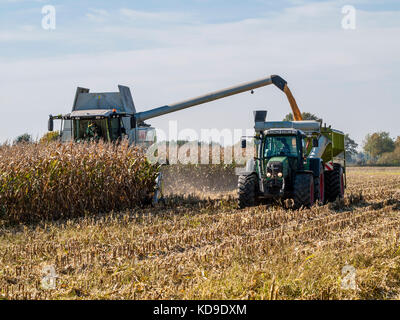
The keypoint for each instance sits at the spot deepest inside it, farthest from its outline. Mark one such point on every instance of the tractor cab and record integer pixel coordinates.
(280, 154)
(282, 143)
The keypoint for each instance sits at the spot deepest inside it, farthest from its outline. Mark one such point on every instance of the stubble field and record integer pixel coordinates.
(200, 246)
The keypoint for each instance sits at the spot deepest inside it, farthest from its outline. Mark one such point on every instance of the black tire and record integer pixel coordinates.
(247, 190)
(303, 193)
(334, 183)
(319, 192)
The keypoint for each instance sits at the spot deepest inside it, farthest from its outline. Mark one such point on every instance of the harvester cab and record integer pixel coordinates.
(107, 116)
(294, 159)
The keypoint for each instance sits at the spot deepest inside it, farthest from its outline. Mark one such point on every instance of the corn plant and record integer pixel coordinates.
(54, 180)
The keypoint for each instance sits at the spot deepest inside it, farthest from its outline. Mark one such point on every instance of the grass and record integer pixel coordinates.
(201, 246)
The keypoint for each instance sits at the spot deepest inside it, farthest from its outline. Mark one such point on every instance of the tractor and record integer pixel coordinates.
(300, 160)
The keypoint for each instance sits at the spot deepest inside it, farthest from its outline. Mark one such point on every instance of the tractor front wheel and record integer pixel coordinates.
(247, 189)
(303, 190)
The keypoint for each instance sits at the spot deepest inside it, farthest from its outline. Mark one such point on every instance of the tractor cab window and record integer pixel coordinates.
(91, 130)
(280, 146)
(305, 145)
(107, 129)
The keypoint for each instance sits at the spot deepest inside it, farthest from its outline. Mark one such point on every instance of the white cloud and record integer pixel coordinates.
(139, 17)
(28, 28)
(97, 15)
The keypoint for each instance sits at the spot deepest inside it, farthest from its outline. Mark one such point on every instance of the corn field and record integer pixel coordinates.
(200, 246)
(53, 180)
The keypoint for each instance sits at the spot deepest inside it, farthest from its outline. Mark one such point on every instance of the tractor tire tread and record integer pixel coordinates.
(301, 192)
(247, 188)
(333, 183)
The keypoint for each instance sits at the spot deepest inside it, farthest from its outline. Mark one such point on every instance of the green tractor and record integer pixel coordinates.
(299, 160)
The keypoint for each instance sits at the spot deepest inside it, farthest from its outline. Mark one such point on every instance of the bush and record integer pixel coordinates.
(49, 137)
(390, 158)
(23, 138)
(67, 180)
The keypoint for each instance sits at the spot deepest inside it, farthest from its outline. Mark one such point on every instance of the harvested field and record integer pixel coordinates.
(202, 247)
(199, 180)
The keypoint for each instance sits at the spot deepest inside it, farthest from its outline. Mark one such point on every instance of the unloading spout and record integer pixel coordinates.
(274, 79)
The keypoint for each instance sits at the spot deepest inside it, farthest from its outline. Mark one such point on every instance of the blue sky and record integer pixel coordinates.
(167, 51)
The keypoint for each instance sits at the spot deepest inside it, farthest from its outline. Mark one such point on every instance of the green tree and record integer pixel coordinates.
(378, 143)
(305, 115)
(23, 138)
(351, 147)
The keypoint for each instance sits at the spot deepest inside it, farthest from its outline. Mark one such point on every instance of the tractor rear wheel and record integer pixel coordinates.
(303, 192)
(247, 190)
(334, 183)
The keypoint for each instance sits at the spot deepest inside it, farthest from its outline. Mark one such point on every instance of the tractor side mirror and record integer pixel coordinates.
(50, 125)
(315, 143)
(244, 143)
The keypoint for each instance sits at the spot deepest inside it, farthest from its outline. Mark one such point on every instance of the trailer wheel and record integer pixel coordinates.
(334, 183)
(247, 188)
(303, 190)
(319, 187)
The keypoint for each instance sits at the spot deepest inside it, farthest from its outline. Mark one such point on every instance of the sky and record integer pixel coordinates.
(171, 50)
